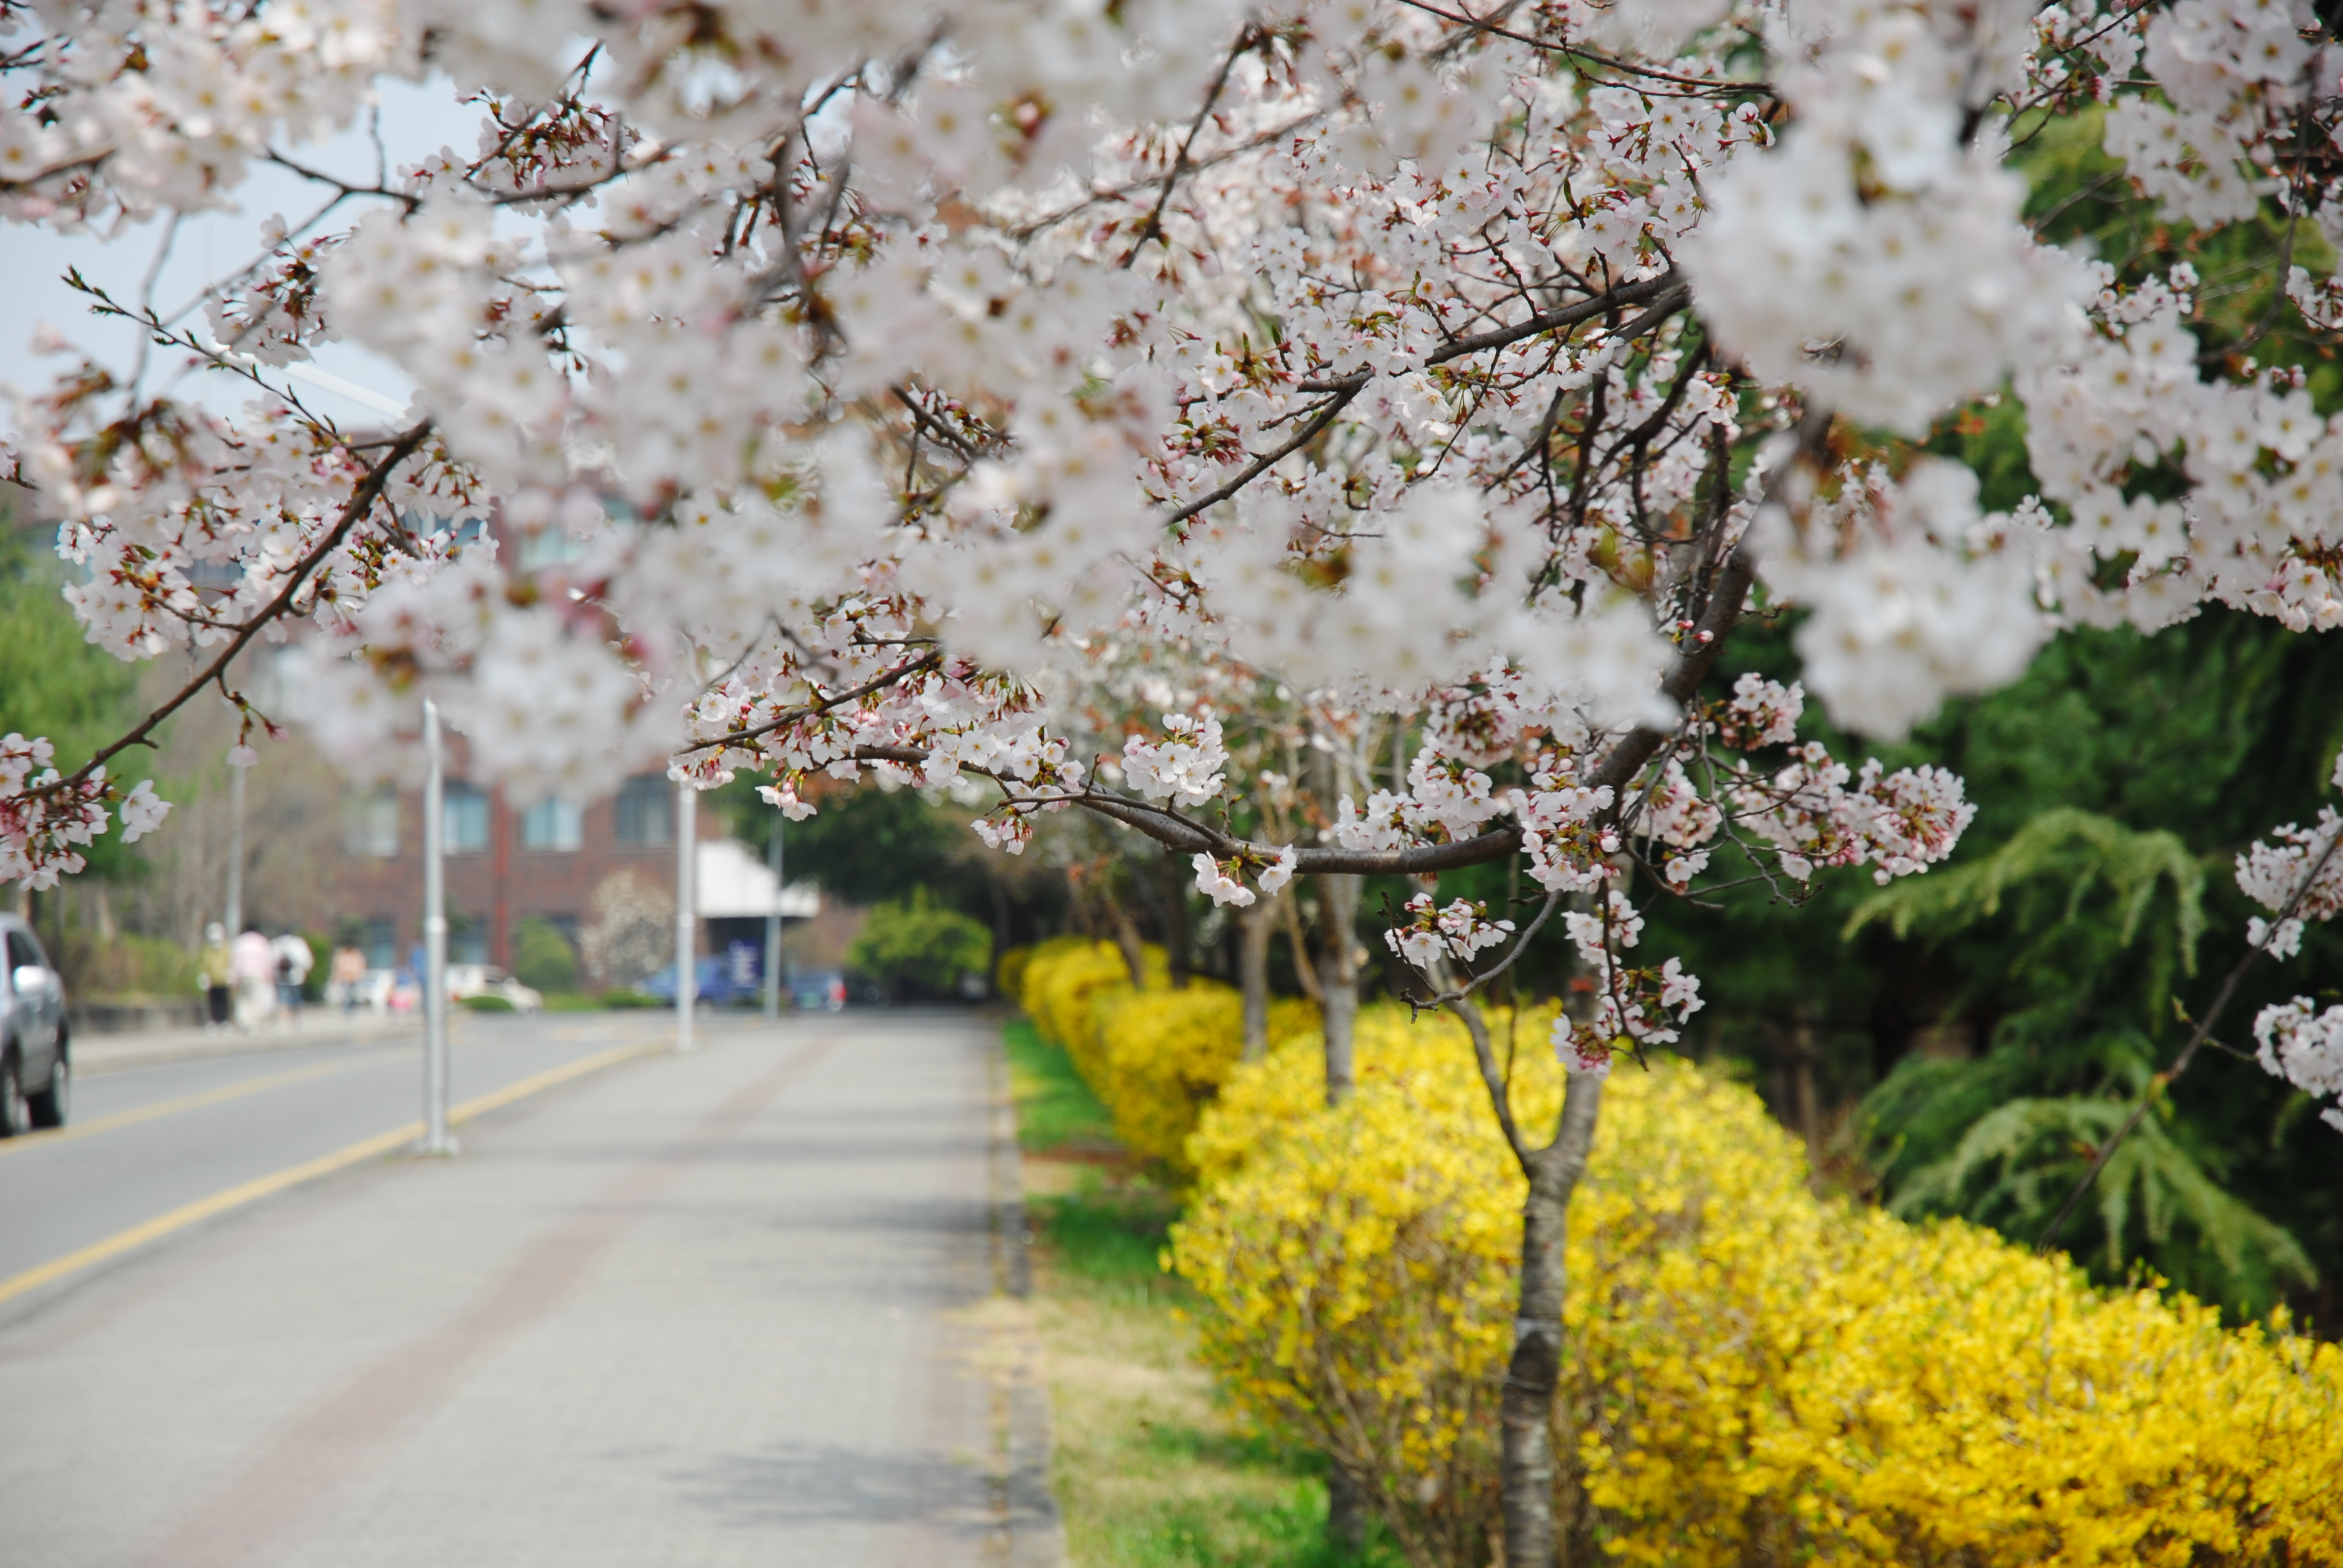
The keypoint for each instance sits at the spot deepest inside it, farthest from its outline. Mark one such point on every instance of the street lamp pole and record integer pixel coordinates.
(687, 966)
(235, 851)
(773, 926)
(436, 1137)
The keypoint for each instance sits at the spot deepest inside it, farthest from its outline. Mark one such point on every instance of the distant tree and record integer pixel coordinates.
(543, 958)
(629, 930)
(920, 948)
(54, 681)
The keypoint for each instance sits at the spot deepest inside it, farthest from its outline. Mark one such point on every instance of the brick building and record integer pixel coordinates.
(506, 866)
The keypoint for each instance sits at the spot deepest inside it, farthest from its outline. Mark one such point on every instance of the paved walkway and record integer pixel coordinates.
(725, 1308)
(95, 1053)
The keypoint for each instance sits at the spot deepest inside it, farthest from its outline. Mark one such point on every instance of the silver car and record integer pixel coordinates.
(35, 1066)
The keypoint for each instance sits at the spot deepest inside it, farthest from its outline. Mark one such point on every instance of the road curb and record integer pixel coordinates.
(1036, 1531)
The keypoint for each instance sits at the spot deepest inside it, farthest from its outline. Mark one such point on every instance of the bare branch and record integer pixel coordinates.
(362, 499)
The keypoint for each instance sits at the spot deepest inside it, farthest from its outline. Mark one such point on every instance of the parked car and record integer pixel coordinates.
(466, 981)
(819, 989)
(35, 1060)
(715, 983)
(371, 990)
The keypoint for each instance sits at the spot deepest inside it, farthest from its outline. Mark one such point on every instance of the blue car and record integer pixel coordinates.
(716, 984)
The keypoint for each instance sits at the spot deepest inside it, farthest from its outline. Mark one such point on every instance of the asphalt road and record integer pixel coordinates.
(143, 1142)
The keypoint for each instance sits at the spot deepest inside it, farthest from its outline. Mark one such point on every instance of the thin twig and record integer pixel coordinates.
(2188, 1052)
(362, 499)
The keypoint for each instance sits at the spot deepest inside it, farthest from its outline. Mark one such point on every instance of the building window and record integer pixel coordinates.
(381, 942)
(551, 825)
(646, 808)
(467, 818)
(370, 824)
(468, 940)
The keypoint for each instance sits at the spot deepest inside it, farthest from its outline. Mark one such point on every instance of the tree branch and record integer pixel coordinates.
(816, 709)
(362, 499)
(2188, 1052)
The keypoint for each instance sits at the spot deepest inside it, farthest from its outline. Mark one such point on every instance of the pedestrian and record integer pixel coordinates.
(294, 961)
(214, 973)
(346, 976)
(252, 965)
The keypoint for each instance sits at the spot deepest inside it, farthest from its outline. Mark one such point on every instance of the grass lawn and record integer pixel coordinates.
(1150, 1470)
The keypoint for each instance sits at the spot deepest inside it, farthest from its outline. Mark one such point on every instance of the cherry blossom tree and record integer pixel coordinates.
(1475, 368)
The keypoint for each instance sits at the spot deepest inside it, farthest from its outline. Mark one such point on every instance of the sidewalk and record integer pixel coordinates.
(94, 1053)
(728, 1308)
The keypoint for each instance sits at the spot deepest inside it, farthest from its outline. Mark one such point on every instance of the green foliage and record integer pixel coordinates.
(543, 958)
(2077, 932)
(487, 1004)
(627, 997)
(2015, 1165)
(2080, 889)
(1112, 1238)
(130, 967)
(52, 681)
(1055, 1108)
(920, 948)
(868, 846)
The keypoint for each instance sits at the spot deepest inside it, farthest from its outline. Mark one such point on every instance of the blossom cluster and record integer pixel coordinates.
(46, 819)
(2304, 1047)
(1433, 934)
(2298, 879)
(839, 386)
(1633, 1007)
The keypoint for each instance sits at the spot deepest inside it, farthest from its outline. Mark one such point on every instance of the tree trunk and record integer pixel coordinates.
(1803, 1097)
(1305, 973)
(1255, 928)
(1346, 1512)
(1170, 879)
(1338, 976)
(1536, 1369)
(1338, 980)
(1126, 937)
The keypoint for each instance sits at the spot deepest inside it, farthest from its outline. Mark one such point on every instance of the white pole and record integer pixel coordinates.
(774, 928)
(687, 966)
(436, 1139)
(235, 851)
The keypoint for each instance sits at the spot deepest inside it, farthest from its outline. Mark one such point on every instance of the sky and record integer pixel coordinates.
(417, 119)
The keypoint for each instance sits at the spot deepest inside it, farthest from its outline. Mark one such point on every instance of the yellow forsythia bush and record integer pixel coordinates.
(1008, 972)
(1353, 1265)
(1163, 1055)
(1068, 981)
(1753, 1374)
(1154, 1057)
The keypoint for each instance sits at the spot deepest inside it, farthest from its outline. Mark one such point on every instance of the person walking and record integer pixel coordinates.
(215, 974)
(253, 967)
(293, 961)
(346, 976)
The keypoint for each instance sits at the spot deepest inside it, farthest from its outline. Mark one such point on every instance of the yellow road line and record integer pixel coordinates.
(24, 1141)
(178, 1219)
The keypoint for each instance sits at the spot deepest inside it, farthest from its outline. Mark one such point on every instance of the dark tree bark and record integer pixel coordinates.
(1346, 1511)
(1255, 928)
(1338, 976)
(1534, 1372)
(1171, 881)
(1126, 937)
